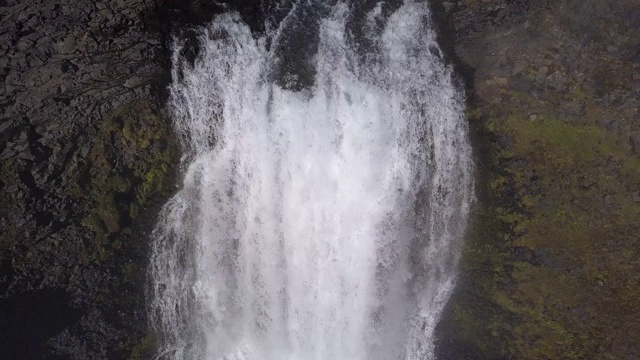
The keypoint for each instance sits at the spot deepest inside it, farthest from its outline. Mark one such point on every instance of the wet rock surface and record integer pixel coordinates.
(550, 269)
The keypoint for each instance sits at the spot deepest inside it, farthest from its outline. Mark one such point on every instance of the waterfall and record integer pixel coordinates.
(325, 193)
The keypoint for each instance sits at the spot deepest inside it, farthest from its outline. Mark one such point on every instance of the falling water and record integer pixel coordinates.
(320, 221)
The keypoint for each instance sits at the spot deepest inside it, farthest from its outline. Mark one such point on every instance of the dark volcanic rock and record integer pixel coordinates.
(86, 159)
(85, 152)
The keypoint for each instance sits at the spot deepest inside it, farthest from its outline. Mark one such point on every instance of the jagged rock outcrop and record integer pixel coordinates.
(86, 159)
(86, 152)
(550, 270)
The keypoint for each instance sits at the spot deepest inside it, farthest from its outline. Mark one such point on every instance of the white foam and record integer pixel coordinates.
(323, 224)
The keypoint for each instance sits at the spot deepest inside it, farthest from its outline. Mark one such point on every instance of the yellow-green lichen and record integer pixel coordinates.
(128, 169)
(145, 349)
(7, 168)
(129, 165)
(554, 252)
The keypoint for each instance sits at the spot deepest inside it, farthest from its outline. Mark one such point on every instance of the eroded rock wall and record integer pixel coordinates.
(87, 157)
(86, 154)
(551, 266)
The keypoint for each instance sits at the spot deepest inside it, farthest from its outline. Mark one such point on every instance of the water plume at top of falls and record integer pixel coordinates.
(325, 193)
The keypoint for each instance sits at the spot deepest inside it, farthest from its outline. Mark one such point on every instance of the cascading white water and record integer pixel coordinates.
(321, 224)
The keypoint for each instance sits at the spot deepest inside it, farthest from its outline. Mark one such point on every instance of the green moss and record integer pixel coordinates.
(578, 93)
(127, 131)
(553, 256)
(145, 349)
(7, 168)
(120, 184)
(128, 169)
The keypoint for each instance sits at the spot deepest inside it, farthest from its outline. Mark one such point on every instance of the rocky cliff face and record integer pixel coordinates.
(550, 270)
(85, 155)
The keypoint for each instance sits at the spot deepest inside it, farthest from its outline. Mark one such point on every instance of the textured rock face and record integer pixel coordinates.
(86, 159)
(551, 269)
(85, 152)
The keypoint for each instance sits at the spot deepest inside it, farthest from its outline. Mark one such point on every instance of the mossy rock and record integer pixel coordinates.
(550, 271)
(145, 349)
(7, 169)
(131, 168)
(130, 165)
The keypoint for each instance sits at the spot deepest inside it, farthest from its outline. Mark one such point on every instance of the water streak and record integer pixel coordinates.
(318, 222)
